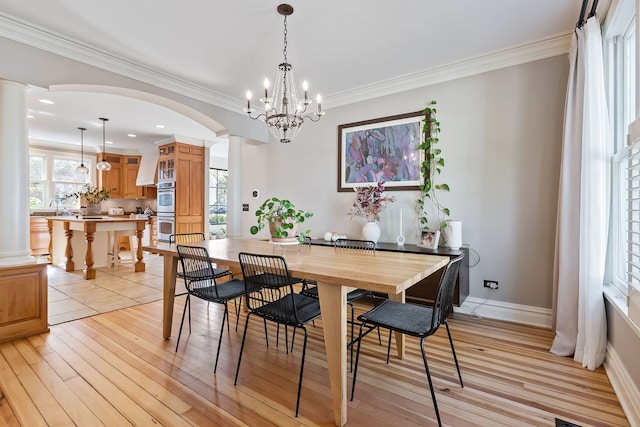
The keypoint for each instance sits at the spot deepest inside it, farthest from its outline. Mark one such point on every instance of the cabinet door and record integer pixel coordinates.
(112, 178)
(131, 167)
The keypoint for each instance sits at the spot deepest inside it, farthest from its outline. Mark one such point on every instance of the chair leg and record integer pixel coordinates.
(304, 351)
(453, 350)
(373, 300)
(266, 334)
(226, 315)
(355, 369)
(244, 336)
(188, 302)
(293, 338)
(433, 393)
(389, 345)
(184, 310)
(351, 340)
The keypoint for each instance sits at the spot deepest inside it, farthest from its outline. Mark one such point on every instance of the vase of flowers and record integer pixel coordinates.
(90, 197)
(369, 204)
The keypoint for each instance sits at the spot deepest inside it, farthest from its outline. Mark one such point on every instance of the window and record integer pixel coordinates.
(217, 201)
(624, 251)
(53, 174)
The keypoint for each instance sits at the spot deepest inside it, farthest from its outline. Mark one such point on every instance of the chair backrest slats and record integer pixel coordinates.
(186, 238)
(354, 245)
(443, 304)
(197, 271)
(269, 287)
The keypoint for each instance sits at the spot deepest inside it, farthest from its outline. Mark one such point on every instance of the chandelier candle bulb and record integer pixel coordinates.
(305, 86)
(319, 100)
(266, 90)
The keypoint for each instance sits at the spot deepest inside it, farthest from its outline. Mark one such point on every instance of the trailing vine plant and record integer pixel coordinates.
(431, 167)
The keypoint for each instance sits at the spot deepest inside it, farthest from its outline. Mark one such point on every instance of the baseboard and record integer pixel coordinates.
(626, 390)
(525, 314)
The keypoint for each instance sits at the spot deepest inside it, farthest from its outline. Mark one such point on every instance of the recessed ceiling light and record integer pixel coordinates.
(29, 116)
(46, 101)
(131, 135)
(108, 142)
(160, 126)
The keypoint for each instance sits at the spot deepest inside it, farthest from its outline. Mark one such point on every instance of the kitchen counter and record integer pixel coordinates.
(93, 237)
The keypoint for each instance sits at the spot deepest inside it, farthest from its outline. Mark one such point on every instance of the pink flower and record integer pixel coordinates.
(370, 202)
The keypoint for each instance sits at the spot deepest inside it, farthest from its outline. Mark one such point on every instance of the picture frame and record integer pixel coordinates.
(384, 149)
(429, 239)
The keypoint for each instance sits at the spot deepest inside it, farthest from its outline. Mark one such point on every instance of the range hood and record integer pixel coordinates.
(147, 173)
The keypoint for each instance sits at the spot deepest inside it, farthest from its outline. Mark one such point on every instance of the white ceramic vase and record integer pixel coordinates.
(371, 231)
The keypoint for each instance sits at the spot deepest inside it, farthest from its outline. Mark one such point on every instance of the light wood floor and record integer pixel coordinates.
(115, 369)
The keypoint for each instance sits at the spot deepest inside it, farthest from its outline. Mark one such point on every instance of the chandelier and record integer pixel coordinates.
(285, 112)
(82, 168)
(103, 165)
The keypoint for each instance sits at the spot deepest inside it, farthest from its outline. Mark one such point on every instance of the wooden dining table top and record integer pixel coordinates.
(386, 272)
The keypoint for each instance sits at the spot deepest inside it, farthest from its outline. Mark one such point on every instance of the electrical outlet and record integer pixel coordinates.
(491, 284)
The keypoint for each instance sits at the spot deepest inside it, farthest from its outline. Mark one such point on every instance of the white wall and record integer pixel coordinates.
(501, 139)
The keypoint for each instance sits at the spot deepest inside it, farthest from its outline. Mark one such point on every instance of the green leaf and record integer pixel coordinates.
(446, 211)
(444, 187)
(254, 229)
(441, 161)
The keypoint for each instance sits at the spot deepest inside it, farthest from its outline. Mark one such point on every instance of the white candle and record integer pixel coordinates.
(400, 221)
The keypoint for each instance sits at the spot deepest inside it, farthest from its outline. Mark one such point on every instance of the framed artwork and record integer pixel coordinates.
(429, 239)
(384, 149)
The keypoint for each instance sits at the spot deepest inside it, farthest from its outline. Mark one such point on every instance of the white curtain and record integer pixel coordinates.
(583, 206)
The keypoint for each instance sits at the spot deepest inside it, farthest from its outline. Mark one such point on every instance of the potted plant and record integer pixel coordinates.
(90, 197)
(431, 167)
(283, 218)
(369, 204)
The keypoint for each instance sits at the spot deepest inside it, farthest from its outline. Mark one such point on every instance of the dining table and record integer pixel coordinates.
(336, 273)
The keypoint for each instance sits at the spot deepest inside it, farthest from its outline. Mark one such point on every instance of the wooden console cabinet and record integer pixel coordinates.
(23, 301)
(39, 235)
(424, 292)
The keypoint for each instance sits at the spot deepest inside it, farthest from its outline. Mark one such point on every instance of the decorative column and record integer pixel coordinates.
(14, 175)
(234, 189)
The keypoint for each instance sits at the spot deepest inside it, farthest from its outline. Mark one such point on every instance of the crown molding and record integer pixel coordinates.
(49, 41)
(552, 46)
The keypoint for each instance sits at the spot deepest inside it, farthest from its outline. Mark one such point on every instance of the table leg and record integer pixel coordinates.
(169, 294)
(333, 304)
(139, 266)
(399, 337)
(89, 272)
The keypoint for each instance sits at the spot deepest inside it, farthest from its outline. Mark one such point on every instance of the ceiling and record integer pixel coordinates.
(225, 48)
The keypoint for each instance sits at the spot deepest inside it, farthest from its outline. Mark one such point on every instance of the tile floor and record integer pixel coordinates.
(71, 297)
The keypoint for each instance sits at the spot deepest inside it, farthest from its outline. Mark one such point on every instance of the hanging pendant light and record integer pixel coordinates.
(285, 111)
(103, 165)
(82, 168)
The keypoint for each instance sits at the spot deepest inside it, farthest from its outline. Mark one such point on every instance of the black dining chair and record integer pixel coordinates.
(349, 246)
(186, 239)
(269, 294)
(416, 320)
(200, 281)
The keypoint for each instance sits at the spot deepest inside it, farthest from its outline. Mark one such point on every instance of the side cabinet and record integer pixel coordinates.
(424, 292)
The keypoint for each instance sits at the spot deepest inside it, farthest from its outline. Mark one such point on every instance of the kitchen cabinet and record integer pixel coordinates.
(131, 166)
(112, 179)
(167, 163)
(39, 236)
(189, 188)
(122, 177)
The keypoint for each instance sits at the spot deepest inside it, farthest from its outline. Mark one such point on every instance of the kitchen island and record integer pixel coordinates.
(84, 243)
